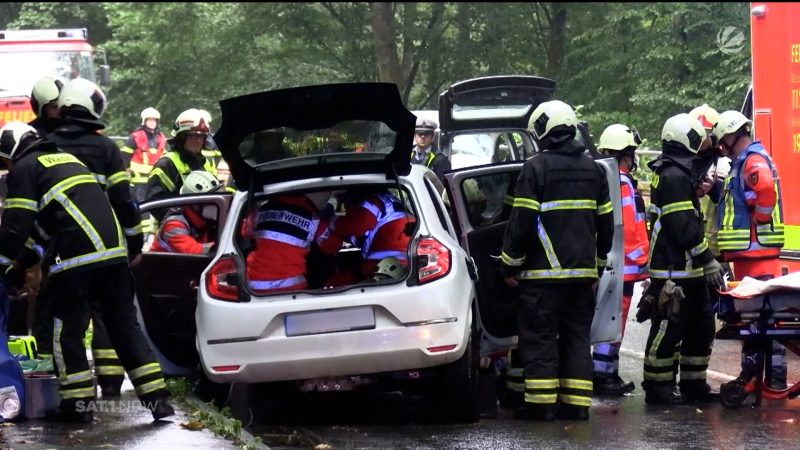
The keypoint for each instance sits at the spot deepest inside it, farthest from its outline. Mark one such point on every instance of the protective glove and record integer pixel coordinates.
(645, 308)
(713, 273)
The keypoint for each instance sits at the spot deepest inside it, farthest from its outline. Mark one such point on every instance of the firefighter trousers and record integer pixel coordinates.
(107, 366)
(606, 356)
(683, 347)
(112, 288)
(554, 322)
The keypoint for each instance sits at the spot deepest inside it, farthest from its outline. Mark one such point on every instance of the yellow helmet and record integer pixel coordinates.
(618, 137)
(707, 115)
(685, 131)
(389, 268)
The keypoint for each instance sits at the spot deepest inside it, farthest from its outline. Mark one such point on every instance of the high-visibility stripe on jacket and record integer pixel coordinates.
(102, 157)
(380, 221)
(678, 248)
(147, 149)
(284, 228)
(170, 170)
(561, 226)
(177, 235)
(750, 215)
(57, 192)
(637, 245)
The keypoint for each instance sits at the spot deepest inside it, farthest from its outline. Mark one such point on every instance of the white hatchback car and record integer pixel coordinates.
(423, 328)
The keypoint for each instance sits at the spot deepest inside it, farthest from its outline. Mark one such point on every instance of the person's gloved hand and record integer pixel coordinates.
(645, 308)
(713, 273)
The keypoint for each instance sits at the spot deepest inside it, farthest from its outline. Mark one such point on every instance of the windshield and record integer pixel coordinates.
(352, 136)
(29, 67)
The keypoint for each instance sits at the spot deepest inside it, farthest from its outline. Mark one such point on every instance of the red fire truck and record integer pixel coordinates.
(775, 105)
(28, 55)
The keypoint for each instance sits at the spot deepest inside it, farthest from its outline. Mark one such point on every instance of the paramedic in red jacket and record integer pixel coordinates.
(376, 221)
(284, 228)
(186, 229)
(620, 142)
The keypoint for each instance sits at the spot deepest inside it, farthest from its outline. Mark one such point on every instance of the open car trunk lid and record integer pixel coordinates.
(385, 140)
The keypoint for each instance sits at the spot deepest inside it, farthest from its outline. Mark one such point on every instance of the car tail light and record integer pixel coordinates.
(221, 280)
(225, 368)
(433, 260)
(442, 348)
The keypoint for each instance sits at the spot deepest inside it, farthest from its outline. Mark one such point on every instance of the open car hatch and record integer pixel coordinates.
(316, 131)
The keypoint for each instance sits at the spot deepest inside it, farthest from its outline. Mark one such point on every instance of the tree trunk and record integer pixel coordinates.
(556, 37)
(383, 31)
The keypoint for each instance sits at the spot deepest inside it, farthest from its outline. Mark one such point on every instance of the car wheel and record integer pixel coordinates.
(455, 393)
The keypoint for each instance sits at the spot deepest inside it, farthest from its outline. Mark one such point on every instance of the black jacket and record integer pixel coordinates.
(102, 157)
(561, 221)
(434, 160)
(679, 248)
(55, 193)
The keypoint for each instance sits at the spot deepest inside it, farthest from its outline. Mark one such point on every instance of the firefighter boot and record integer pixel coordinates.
(536, 412)
(698, 391)
(111, 385)
(611, 384)
(573, 412)
(661, 394)
(158, 405)
(72, 411)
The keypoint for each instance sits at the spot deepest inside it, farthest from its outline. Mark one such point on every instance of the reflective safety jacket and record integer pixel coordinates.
(166, 178)
(637, 245)
(284, 228)
(102, 157)
(142, 149)
(436, 161)
(211, 151)
(183, 231)
(377, 224)
(678, 247)
(54, 194)
(750, 215)
(561, 226)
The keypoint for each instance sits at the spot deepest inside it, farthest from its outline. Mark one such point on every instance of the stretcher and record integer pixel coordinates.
(767, 311)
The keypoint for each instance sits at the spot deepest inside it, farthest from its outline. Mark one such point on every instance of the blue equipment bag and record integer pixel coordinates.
(12, 382)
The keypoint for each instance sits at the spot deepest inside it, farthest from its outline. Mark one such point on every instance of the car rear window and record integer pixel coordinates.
(351, 136)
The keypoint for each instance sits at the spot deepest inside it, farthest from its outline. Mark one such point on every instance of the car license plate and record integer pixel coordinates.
(329, 321)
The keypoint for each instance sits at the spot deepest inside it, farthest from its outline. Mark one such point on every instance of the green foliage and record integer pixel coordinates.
(634, 63)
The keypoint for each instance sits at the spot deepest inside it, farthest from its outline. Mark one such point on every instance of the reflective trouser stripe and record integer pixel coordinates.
(693, 367)
(147, 378)
(575, 391)
(144, 370)
(541, 391)
(106, 362)
(606, 358)
(515, 380)
(150, 387)
(655, 368)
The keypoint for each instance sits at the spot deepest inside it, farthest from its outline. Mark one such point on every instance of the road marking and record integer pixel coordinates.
(711, 373)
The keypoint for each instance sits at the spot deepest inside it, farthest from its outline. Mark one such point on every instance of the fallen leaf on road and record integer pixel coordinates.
(107, 446)
(7, 424)
(322, 447)
(36, 428)
(568, 427)
(788, 420)
(699, 411)
(194, 425)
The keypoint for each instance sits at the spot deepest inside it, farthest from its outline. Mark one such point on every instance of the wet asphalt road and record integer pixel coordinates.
(363, 421)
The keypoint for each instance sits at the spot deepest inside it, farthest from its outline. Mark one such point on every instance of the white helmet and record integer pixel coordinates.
(11, 135)
(45, 91)
(389, 268)
(549, 115)
(685, 131)
(205, 115)
(618, 137)
(730, 122)
(707, 115)
(192, 121)
(150, 113)
(200, 182)
(84, 93)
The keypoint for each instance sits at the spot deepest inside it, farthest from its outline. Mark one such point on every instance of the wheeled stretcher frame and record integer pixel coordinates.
(774, 316)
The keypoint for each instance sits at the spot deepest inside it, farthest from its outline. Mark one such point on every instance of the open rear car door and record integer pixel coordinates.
(480, 217)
